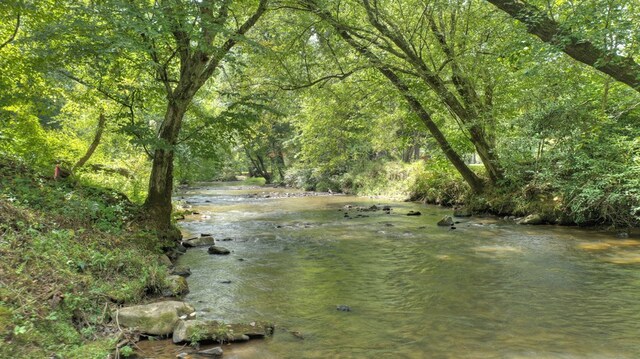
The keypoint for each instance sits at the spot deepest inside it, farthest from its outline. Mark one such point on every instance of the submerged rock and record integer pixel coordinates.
(414, 213)
(153, 319)
(199, 241)
(343, 308)
(216, 352)
(533, 219)
(445, 221)
(218, 250)
(214, 331)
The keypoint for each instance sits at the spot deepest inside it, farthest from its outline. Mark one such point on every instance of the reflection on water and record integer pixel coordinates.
(484, 290)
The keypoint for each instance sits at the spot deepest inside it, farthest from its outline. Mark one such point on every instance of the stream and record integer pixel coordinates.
(486, 289)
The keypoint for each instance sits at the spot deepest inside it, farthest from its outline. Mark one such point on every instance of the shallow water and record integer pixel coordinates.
(487, 289)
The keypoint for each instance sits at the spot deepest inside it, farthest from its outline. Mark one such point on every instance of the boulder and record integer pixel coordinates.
(182, 271)
(414, 213)
(445, 221)
(153, 319)
(218, 250)
(199, 241)
(216, 352)
(533, 219)
(461, 212)
(214, 331)
(176, 286)
(164, 259)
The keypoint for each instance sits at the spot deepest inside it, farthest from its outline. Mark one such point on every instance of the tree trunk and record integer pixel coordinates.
(158, 202)
(623, 69)
(469, 176)
(96, 141)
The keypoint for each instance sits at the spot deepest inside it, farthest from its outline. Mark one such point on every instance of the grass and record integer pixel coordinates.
(68, 253)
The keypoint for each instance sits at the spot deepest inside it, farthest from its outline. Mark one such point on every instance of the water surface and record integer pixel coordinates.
(487, 289)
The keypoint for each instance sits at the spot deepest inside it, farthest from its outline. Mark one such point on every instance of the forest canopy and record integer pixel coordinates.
(512, 107)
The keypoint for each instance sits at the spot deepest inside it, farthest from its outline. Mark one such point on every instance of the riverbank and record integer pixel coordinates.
(70, 253)
(600, 202)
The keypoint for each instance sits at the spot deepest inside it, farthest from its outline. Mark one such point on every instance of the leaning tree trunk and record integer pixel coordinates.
(94, 144)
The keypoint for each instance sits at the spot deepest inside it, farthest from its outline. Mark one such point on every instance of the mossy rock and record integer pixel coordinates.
(214, 331)
(176, 286)
(153, 319)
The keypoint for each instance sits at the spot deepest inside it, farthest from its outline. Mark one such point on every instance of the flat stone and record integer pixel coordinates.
(218, 250)
(414, 213)
(153, 319)
(532, 219)
(214, 331)
(213, 352)
(199, 241)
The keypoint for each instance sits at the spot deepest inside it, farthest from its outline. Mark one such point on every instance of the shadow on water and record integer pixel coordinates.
(487, 289)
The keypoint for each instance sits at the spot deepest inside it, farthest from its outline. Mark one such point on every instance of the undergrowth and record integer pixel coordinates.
(68, 254)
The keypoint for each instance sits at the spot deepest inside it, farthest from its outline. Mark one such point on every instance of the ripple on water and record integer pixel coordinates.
(416, 291)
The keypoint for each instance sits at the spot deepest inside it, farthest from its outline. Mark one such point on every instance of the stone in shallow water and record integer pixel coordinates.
(214, 331)
(213, 352)
(199, 241)
(461, 212)
(533, 219)
(218, 250)
(445, 221)
(182, 271)
(343, 308)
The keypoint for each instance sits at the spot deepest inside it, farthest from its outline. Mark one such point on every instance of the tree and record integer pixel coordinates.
(405, 52)
(186, 42)
(607, 60)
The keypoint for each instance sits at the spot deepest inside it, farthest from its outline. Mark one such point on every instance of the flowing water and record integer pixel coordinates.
(486, 289)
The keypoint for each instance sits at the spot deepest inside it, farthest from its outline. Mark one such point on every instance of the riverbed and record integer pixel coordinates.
(484, 288)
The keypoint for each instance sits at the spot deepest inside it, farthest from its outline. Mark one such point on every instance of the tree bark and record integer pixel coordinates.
(623, 69)
(158, 201)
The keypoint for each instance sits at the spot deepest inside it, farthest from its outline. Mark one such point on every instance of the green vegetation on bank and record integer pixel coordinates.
(68, 253)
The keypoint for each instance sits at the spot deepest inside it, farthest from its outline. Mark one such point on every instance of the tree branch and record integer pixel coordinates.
(623, 69)
(13, 35)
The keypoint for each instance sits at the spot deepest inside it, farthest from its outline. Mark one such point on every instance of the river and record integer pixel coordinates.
(486, 289)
